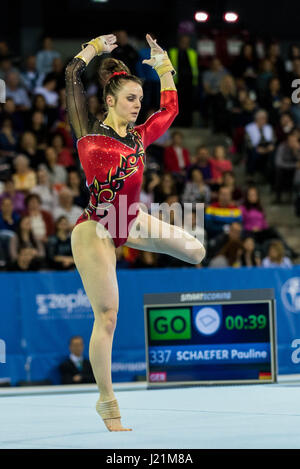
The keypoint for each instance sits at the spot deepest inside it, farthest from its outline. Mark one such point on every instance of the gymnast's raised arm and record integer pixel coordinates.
(77, 107)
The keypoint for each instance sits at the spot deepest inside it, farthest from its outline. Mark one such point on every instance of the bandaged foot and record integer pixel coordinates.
(110, 413)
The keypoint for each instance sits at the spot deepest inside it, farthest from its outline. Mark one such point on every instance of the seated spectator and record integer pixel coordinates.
(246, 65)
(211, 84)
(24, 177)
(30, 77)
(222, 105)
(48, 90)
(45, 57)
(15, 91)
(276, 257)
(214, 245)
(78, 188)
(228, 180)
(260, 141)
(42, 223)
(8, 138)
(150, 181)
(10, 111)
(58, 72)
(251, 256)
(24, 238)
(265, 73)
(6, 170)
(59, 250)
(176, 157)
(285, 125)
(273, 54)
(28, 147)
(6, 66)
(76, 369)
(219, 164)
(50, 114)
(125, 52)
(167, 186)
(196, 190)
(287, 157)
(17, 197)
(293, 53)
(38, 127)
(273, 99)
(201, 161)
(219, 215)
(25, 261)
(45, 190)
(229, 256)
(64, 155)
(8, 217)
(58, 174)
(66, 207)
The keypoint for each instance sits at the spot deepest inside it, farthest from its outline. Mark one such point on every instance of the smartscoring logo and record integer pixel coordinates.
(170, 324)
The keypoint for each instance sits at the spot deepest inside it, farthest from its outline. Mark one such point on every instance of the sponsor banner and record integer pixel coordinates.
(210, 354)
(41, 311)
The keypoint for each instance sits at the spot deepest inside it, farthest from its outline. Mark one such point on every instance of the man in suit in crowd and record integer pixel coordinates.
(76, 369)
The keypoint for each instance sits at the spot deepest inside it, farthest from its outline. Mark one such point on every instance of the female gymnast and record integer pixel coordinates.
(112, 155)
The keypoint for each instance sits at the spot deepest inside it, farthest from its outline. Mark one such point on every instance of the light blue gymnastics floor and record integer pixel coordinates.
(224, 417)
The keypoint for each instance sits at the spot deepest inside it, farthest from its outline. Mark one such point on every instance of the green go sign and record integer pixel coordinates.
(170, 324)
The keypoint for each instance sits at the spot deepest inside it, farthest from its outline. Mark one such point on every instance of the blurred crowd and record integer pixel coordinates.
(249, 102)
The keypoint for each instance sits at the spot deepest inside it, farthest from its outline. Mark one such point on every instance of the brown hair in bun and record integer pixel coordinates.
(111, 86)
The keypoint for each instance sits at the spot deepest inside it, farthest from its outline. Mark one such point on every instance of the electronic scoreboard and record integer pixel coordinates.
(219, 337)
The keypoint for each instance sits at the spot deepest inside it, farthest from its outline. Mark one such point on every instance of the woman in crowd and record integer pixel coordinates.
(276, 257)
(24, 177)
(79, 190)
(196, 190)
(59, 251)
(25, 238)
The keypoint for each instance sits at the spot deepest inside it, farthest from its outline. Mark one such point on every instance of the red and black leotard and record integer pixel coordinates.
(113, 165)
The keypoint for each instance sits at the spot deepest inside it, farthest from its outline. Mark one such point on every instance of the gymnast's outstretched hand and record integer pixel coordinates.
(105, 43)
(159, 59)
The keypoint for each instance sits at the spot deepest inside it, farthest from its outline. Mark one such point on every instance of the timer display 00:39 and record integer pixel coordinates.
(250, 322)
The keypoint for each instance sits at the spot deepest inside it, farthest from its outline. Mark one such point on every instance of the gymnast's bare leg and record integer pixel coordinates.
(95, 259)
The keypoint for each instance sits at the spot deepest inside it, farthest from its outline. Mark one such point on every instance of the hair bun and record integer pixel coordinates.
(109, 66)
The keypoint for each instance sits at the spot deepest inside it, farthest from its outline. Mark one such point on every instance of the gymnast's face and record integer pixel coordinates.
(127, 104)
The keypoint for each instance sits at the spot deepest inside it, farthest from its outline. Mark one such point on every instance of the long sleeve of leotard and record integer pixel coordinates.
(77, 107)
(160, 121)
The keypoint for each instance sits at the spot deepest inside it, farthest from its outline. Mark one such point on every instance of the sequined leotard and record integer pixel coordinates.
(113, 165)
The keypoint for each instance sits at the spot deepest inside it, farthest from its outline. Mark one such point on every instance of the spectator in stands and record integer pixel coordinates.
(44, 189)
(214, 245)
(9, 110)
(58, 174)
(228, 180)
(8, 138)
(251, 256)
(201, 160)
(30, 77)
(185, 61)
(176, 156)
(59, 250)
(78, 188)
(25, 261)
(272, 99)
(48, 90)
(9, 218)
(212, 78)
(273, 54)
(76, 369)
(15, 91)
(28, 147)
(287, 157)
(66, 207)
(45, 57)
(285, 125)
(246, 65)
(219, 164)
(266, 72)
(222, 106)
(64, 155)
(293, 53)
(229, 256)
(219, 215)
(196, 190)
(260, 141)
(276, 257)
(150, 181)
(125, 52)
(38, 127)
(4, 50)
(58, 72)
(24, 177)
(167, 186)
(24, 238)
(42, 223)
(6, 66)
(16, 196)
